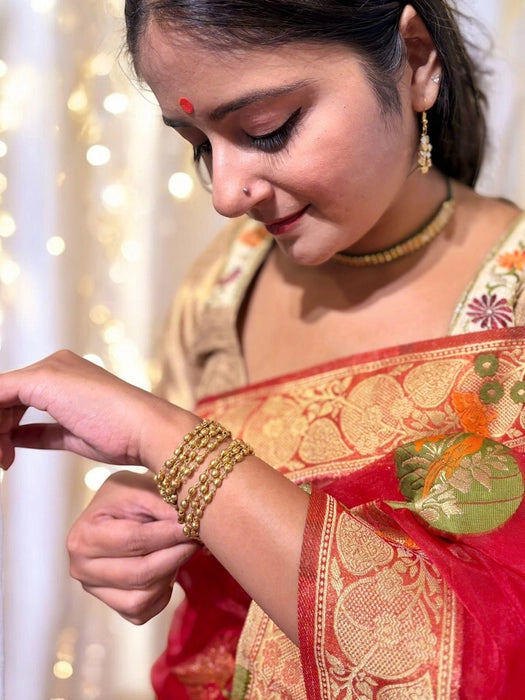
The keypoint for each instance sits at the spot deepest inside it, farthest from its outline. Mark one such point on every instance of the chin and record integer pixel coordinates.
(304, 255)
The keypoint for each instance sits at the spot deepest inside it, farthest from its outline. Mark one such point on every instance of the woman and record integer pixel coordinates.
(396, 569)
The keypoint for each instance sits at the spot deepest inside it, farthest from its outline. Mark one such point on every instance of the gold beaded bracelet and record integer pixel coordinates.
(201, 494)
(190, 454)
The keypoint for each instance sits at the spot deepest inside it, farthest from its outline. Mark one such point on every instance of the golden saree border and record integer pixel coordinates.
(334, 419)
(386, 626)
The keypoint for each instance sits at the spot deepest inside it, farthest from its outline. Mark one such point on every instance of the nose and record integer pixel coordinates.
(238, 181)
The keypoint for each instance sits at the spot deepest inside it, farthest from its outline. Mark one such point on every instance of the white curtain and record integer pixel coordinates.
(99, 217)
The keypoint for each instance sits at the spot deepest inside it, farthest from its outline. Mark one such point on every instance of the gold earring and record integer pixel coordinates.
(425, 147)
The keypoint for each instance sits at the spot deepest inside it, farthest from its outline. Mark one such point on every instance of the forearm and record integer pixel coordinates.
(254, 527)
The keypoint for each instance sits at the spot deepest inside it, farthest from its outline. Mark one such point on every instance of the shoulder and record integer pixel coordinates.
(196, 323)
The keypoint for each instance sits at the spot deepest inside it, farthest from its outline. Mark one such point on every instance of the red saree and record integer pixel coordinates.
(412, 581)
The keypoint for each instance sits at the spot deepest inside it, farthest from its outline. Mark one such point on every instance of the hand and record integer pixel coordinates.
(97, 415)
(127, 546)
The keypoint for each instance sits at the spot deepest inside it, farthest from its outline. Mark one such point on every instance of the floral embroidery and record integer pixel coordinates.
(470, 485)
(490, 300)
(474, 416)
(517, 393)
(514, 260)
(486, 365)
(254, 236)
(491, 392)
(490, 312)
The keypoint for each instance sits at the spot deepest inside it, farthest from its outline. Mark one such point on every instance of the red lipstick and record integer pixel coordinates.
(283, 225)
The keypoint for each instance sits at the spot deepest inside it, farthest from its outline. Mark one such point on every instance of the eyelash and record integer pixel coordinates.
(269, 143)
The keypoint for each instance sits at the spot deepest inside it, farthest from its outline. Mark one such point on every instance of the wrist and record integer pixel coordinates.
(190, 479)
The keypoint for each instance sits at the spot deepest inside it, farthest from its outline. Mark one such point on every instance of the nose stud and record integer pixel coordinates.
(245, 190)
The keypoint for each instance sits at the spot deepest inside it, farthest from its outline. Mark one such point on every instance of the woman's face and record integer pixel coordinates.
(298, 126)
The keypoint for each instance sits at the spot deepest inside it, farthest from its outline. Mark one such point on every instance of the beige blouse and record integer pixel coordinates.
(201, 354)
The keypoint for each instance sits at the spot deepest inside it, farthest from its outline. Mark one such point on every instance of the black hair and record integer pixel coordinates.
(457, 125)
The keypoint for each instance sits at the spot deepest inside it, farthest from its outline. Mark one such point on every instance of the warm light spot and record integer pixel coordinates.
(98, 155)
(181, 185)
(56, 245)
(61, 178)
(114, 196)
(63, 670)
(95, 359)
(125, 353)
(78, 100)
(7, 224)
(43, 6)
(131, 251)
(3, 68)
(9, 272)
(3, 149)
(99, 314)
(116, 103)
(95, 477)
(114, 332)
(3, 183)
(101, 64)
(118, 272)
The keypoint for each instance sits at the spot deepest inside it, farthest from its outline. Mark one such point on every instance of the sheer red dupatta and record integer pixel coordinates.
(448, 384)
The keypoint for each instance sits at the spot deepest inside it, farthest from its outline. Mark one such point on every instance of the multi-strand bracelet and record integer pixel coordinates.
(196, 446)
(190, 454)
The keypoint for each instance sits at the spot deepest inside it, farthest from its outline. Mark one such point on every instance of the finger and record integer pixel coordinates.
(40, 436)
(136, 607)
(7, 452)
(10, 417)
(138, 573)
(121, 538)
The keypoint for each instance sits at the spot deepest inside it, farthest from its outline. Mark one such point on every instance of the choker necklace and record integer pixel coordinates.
(409, 245)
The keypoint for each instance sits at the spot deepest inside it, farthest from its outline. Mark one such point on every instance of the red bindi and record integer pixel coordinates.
(186, 105)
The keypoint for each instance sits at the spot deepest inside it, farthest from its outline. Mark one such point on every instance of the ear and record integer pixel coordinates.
(423, 60)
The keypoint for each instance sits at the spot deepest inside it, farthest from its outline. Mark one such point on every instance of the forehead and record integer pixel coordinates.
(169, 57)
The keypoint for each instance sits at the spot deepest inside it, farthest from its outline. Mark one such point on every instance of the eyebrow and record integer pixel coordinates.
(234, 105)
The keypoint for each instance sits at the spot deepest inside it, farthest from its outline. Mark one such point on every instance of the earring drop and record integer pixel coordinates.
(425, 147)
(245, 190)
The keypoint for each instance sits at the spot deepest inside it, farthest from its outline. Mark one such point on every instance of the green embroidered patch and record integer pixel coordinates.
(241, 681)
(460, 484)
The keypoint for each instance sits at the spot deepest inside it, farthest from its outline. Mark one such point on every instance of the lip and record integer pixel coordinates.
(276, 228)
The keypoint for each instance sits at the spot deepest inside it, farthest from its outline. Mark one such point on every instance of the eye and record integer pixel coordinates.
(202, 157)
(201, 150)
(278, 139)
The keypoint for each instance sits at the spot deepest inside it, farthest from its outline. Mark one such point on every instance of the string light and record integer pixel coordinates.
(98, 155)
(43, 6)
(181, 185)
(7, 224)
(56, 245)
(63, 670)
(114, 196)
(78, 100)
(3, 149)
(116, 103)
